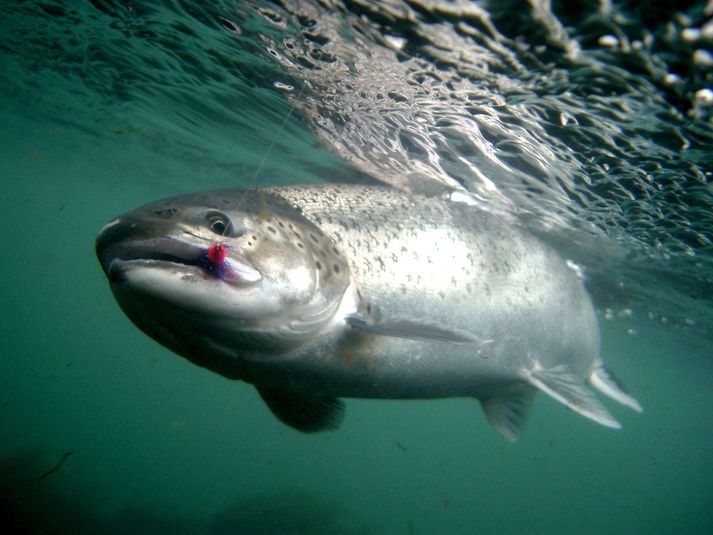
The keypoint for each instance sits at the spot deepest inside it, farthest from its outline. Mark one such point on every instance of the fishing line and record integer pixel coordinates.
(217, 252)
(279, 131)
(253, 180)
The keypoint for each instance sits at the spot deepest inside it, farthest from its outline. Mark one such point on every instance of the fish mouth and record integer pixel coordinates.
(117, 258)
(121, 246)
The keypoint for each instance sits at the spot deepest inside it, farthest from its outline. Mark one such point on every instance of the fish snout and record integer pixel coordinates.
(122, 239)
(112, 234)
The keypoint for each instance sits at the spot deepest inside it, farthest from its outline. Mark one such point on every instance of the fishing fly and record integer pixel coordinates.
(216, 254)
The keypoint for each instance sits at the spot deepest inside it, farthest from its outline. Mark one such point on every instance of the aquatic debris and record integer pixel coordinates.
(62, 460)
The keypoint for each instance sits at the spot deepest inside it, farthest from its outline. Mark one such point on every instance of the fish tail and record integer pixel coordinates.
(607, 383)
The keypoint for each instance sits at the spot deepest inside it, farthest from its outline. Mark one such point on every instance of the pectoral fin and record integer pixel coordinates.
(508, 409)
(420, 329)
(305, 412)
(570, 390)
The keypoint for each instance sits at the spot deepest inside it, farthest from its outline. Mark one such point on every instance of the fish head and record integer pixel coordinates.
(216, 275)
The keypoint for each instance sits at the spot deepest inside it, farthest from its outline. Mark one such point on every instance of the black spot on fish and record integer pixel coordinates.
(272, 229)
(300, 245)
(318, 264)
(336, 268)
(313, 238)
(166, 213)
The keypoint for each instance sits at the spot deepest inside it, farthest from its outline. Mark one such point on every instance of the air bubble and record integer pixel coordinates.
(707, 30)
(704, 97)
(608, 40)
(283, 86)
(691, 34)
(671, 79)
(567, 118)
(703, 58)
(395, 42)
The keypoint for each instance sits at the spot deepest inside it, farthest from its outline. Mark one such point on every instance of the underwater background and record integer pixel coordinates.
(590, 121)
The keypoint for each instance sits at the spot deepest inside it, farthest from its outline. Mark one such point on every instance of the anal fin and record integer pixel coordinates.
(571, 391)
(305, 412)
(508, 409)
(606, 382)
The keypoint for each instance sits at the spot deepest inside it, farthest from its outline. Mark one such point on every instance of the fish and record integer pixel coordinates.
(315, 293)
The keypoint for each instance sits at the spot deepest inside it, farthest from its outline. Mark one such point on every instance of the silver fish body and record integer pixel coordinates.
(355, 291)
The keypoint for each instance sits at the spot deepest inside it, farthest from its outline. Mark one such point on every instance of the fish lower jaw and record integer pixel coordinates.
(121, 271)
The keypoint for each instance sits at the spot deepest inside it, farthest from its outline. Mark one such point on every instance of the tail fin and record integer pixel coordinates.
(571, 391)
(606, 382)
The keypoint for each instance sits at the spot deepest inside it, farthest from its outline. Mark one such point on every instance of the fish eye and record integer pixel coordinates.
(219, 223)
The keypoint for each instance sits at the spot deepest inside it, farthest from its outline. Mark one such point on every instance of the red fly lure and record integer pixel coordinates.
(216, 254)
(214, 260)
